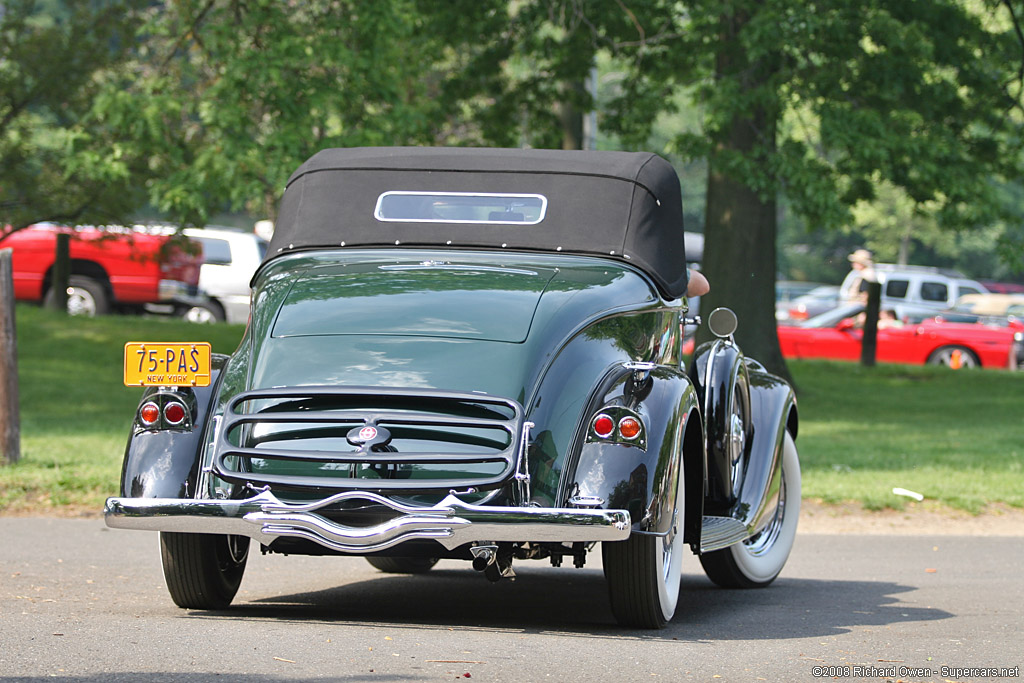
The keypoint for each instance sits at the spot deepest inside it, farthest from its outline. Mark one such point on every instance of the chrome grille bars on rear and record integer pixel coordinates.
(452, 432)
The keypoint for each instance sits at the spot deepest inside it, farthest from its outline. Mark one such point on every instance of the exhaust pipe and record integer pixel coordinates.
(483, 556)
(494, 563)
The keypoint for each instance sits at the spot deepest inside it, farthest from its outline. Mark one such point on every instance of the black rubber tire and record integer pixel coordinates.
(94, 297)
(757, 562)
(643, 573)
(203, 571)
(403, 565)
(943, 354)
(631, 570)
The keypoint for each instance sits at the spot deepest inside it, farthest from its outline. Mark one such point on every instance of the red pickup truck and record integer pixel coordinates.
(112, 267)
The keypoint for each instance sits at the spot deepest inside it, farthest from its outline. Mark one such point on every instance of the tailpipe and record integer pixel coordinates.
(494, 562)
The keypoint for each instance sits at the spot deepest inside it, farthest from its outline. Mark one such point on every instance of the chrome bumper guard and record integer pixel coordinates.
(452, 522)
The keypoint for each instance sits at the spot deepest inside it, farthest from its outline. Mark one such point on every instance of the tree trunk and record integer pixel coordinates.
(571, 117)
(739, 261)
(740, 225)
(904, 253)
(10, 429)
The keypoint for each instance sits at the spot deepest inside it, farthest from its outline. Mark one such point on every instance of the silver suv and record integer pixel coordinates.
(914, 288)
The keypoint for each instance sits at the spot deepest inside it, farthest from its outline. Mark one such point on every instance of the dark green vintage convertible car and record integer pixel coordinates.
(468, 354)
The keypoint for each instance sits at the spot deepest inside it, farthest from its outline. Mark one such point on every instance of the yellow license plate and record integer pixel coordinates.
(162, 364)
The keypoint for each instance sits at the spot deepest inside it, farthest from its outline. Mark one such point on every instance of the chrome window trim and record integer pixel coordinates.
(410, 193)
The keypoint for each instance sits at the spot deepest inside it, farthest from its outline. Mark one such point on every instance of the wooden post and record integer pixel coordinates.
(10, 429)
(869, 343)
(61, 274)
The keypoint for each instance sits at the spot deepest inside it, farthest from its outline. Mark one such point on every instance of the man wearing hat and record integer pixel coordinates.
(861, 261)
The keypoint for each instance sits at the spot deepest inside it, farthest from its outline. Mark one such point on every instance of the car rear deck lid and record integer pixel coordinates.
(423, 299)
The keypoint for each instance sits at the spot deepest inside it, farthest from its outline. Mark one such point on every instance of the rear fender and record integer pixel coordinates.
(165, 463)
(774, 409)
(716, 368)
(639, 476)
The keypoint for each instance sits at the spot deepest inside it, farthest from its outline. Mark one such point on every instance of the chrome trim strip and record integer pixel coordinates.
(452, 522)
(522, 475)
(445, 265)
(378, 208)
(641, 369)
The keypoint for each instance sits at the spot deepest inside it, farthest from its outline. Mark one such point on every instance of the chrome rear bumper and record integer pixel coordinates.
(451, 522)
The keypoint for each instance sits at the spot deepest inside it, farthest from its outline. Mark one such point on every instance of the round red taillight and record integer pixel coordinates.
(629, 427)
(603, 426)
(174, 413)
(149, 413)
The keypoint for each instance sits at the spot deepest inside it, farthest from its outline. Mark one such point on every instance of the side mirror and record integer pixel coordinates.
(722, 322)
(845, 324)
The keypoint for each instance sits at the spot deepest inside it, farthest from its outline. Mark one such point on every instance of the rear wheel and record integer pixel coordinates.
(403, 565)
(756, 562)
(203, 571)
(643, 573)
(203, 313)
(86, 296)
(954, 357)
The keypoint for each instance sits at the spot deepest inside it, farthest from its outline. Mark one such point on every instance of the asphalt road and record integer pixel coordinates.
(82, 603)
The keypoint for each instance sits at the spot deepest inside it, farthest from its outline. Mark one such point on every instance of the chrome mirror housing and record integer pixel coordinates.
(722, 322)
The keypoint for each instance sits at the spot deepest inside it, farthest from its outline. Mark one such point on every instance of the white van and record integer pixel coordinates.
(914, 288)
(230, 257)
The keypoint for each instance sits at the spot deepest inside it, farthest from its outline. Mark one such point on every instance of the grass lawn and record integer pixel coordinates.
(956, 437)
(75, 410)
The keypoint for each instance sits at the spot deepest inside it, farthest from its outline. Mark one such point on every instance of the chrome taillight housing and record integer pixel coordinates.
(149, 414)
(166, 410)
(616, 424)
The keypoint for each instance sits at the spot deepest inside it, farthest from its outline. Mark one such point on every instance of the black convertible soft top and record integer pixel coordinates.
(620, 205)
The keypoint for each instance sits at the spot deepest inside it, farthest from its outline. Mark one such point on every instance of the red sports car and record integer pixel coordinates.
(837, 334)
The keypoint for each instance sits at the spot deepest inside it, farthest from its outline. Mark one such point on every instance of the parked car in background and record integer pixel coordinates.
(230, 257)
(1002, 310)
(838, 334)
(817, 301)
(914, 288)
(112, 267)
(954, 316)
(787, 290)
(471, 354)
(991, 304)
(1003, 287)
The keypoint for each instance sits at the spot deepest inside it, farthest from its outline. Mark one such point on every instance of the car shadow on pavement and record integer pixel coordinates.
(202, 677)
(575, 602)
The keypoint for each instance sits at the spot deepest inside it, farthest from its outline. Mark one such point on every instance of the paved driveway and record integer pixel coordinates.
(83, 603)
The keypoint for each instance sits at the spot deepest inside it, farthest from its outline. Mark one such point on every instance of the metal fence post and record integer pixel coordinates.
(58, 299)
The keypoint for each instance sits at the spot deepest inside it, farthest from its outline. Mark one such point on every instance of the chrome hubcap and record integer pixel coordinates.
(199, 314)
(762, 541)
(737, 440)
(80, 302)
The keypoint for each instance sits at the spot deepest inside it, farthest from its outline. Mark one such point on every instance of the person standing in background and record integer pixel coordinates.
(863, 262)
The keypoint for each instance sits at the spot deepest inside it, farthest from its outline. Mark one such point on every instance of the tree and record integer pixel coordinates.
(229, 97)
(60, 163)
(520, 80)
(822, 102)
